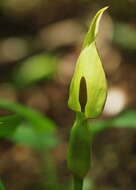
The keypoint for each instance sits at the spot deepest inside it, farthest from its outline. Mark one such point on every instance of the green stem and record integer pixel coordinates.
(79, 154)
(77, 183)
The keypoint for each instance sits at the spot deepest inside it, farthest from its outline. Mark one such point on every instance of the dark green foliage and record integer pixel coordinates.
(28, 126)
(126, 119)
(9, 124)
(34, 69)
(2, 186)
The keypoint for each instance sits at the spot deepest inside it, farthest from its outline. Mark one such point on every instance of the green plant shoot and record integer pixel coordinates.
(88, 91)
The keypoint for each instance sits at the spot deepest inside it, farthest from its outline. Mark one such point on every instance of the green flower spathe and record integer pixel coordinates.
(88, 88)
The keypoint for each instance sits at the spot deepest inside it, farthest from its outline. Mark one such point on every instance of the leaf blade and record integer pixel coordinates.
(2, 186)
(40, 122)
(9, 124)
(126, 119)
(36, 131)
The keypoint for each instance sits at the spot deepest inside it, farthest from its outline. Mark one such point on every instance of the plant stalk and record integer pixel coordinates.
(77, 183)
(79, 154)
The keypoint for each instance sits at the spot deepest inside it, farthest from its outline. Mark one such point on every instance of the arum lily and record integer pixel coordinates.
(88, 87)
(88, 90)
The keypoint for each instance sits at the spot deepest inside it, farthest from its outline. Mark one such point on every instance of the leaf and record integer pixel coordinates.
(27, 136)
(9, 124)
(35, 69)
(38, 131)
(124, 120)
(93, 30)
(97, 127)
(120, 33)
(1, 186)
(41, 123)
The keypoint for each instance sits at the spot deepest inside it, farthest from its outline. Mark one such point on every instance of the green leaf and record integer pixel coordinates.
(98, 126)
(41, 123)
(124, 120)
(37, 132)
(122, 30)
(1, 186)
(27, 136)
(93, 30)
(35, 69)
(9, 124)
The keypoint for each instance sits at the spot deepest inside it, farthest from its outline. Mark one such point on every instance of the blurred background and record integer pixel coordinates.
(40, 41)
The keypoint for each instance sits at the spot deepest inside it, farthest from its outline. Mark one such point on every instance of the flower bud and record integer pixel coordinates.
(88, 88)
